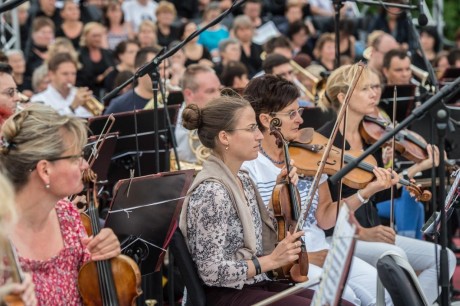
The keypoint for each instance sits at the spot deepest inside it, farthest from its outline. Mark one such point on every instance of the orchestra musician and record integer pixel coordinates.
(7, 217)
(396, 67)
(229, 232)
(373, 238)
(41, 154)
(274, 97)
(9, 97)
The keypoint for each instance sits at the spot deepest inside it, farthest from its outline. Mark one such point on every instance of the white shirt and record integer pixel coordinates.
(264, 174)
(53, 98)
(184, 151)
(135, 12)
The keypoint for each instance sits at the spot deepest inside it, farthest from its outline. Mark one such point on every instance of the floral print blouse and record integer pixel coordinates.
(215, 234)
(55, 279)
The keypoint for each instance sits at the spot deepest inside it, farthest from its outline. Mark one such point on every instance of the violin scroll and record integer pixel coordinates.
(419, 194)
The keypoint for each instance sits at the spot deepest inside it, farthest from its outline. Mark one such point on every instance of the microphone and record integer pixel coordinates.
(422, 19)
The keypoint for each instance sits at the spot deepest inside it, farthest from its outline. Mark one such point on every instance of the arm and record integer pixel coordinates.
(26, 291)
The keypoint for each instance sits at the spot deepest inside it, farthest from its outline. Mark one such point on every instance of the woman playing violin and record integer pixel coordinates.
(229, 232)
(271, 97)
(375, 239)
(41, 155)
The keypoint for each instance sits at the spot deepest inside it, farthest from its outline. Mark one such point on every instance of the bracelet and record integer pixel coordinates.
(256, 263)
(361, 199)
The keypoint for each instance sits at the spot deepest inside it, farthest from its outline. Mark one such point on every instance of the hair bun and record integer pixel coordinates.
(191, 117)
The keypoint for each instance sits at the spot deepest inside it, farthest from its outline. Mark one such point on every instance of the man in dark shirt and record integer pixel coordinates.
(142, 93)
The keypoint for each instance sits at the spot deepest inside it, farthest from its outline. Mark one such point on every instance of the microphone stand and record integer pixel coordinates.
(442, 119)
(151, 69)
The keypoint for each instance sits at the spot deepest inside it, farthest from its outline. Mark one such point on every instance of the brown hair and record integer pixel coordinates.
(218, 115)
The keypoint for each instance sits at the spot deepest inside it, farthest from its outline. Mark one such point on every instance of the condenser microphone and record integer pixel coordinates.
(422, 19)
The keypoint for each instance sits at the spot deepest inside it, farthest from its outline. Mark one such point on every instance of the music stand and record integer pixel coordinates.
(448, 76)
(102, 162)
(315, 117)
(135, 148)
(175, 98)
(144, 214)
(405, 96)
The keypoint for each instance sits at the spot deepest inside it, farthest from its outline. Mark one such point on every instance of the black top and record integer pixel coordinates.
(90, 70)
(125, 103)
(367, 213)
(75, 41)
(205, 55)
(252, 62)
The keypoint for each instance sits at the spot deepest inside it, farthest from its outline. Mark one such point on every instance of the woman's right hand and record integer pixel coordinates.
(287, 250)
(26, 290)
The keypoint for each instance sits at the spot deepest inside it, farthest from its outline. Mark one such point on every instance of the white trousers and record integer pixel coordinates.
(420, 255)
(361, 285)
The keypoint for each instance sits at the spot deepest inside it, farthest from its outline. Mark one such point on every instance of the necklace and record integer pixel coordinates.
(276, 162)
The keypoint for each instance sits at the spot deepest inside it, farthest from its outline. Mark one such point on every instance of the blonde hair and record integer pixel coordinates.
(56, 47)
(8, 215)
(322, 40)
(165, 7)
(34, 134)
(338, 82)
(88, 28)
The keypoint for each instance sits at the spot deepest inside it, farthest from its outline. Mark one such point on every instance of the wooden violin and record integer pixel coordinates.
(287, 211)
(308, 157)
(107, 282)
(409, 144)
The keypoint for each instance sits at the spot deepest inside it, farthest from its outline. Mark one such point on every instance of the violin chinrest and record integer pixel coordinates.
(305, 135)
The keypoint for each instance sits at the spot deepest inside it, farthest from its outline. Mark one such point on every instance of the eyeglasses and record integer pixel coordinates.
(10, 92)
(374, 87)
(291, 114)
(80, 157)
(252, 128)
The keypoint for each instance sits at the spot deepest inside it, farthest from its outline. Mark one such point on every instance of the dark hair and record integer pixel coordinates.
(295, 28)
(105, 19)
(121, 77)
(5, 68)
(231, 70)
(453, 57)
(273, 60)
(218, 115)
(122, 46)
(60, 58)
(41, 22)
(277, 42)
(399, 53)
(3, 57)
(430, 30)
(141, 55)
(269, 93)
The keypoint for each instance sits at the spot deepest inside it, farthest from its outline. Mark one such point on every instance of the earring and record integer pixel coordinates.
(47, 186)
(226, 148)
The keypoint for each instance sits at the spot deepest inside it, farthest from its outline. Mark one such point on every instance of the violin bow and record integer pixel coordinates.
(393, 151)
(327, 150)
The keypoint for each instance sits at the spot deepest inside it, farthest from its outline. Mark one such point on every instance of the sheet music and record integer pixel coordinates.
(432, 225)
(336, 265)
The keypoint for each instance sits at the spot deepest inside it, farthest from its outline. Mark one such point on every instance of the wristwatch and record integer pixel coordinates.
(360, 198)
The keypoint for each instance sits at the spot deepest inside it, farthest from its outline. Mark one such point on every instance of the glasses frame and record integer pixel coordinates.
(80, 156)
(253, 128)
(11, 92)
(292, 114)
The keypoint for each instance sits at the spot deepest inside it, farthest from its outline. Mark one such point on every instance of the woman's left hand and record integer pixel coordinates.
(433, 159)
(104, 245)
(293, 176)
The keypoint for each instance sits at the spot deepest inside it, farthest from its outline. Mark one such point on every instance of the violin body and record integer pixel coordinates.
(284, 213)
(85, 219)
(308, 156)
(409, 144)
(127, 282)
(12, 300)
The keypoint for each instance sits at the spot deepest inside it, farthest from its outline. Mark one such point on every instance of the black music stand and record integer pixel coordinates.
(405, 99)
(175, 98)
(135, 147)
(448, 76)
(101, 163)
(315, 117)
(144, 214)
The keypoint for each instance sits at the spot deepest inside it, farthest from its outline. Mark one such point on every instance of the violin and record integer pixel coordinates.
(107, 282)
(308, 157)
(409, 144)
(286, 208)
(17, 274)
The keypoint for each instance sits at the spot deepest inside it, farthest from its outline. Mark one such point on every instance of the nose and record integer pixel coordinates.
(84, 164)
(259, 135)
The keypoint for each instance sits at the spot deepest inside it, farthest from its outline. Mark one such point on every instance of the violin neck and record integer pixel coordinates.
(17, 273)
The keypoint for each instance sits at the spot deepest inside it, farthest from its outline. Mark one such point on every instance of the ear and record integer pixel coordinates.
(188, 94)
(43, 171)
(223, 138)
(265, 120)
(341, 97)
(385, 72)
